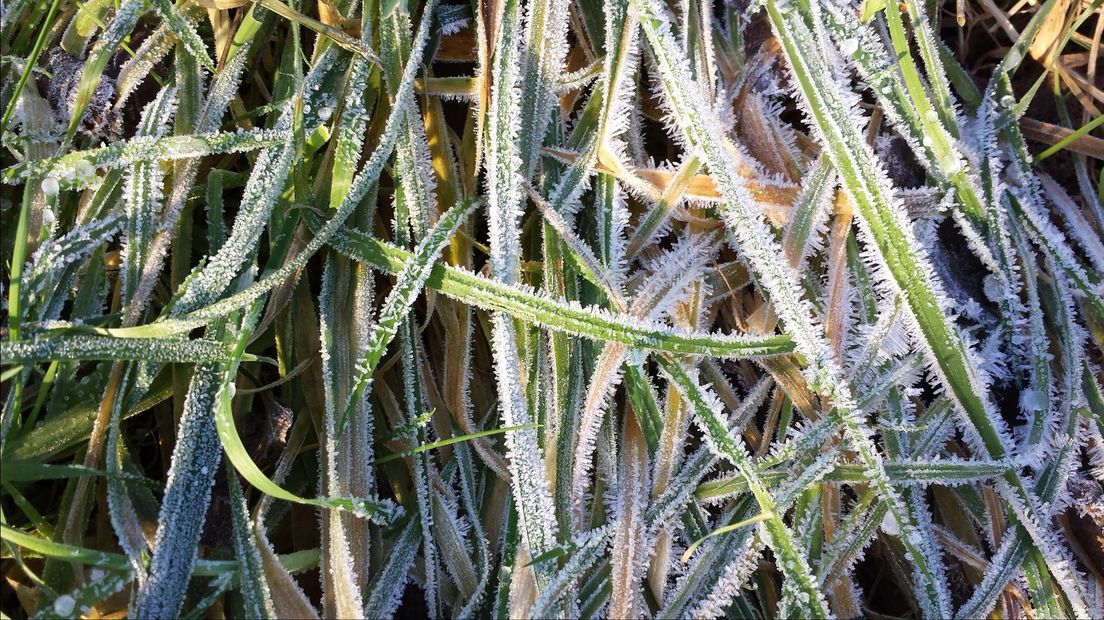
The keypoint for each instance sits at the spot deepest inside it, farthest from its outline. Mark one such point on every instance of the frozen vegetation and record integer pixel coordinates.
(555, 308)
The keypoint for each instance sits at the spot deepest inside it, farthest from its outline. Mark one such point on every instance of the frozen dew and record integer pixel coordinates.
(992, 288)
(972, 309)
(50, 186)
(951, 163)
(889, 524)
(1032, 400)
(64, 605)
(84, 168)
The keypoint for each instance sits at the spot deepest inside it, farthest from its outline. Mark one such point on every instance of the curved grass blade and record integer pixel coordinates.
(221, 404)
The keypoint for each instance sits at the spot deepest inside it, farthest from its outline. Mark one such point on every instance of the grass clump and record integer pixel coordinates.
(552, 309)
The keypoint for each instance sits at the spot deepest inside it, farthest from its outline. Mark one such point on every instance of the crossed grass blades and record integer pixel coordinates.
(550, 309)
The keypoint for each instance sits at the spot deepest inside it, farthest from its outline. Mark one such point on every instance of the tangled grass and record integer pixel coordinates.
(781, 308)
